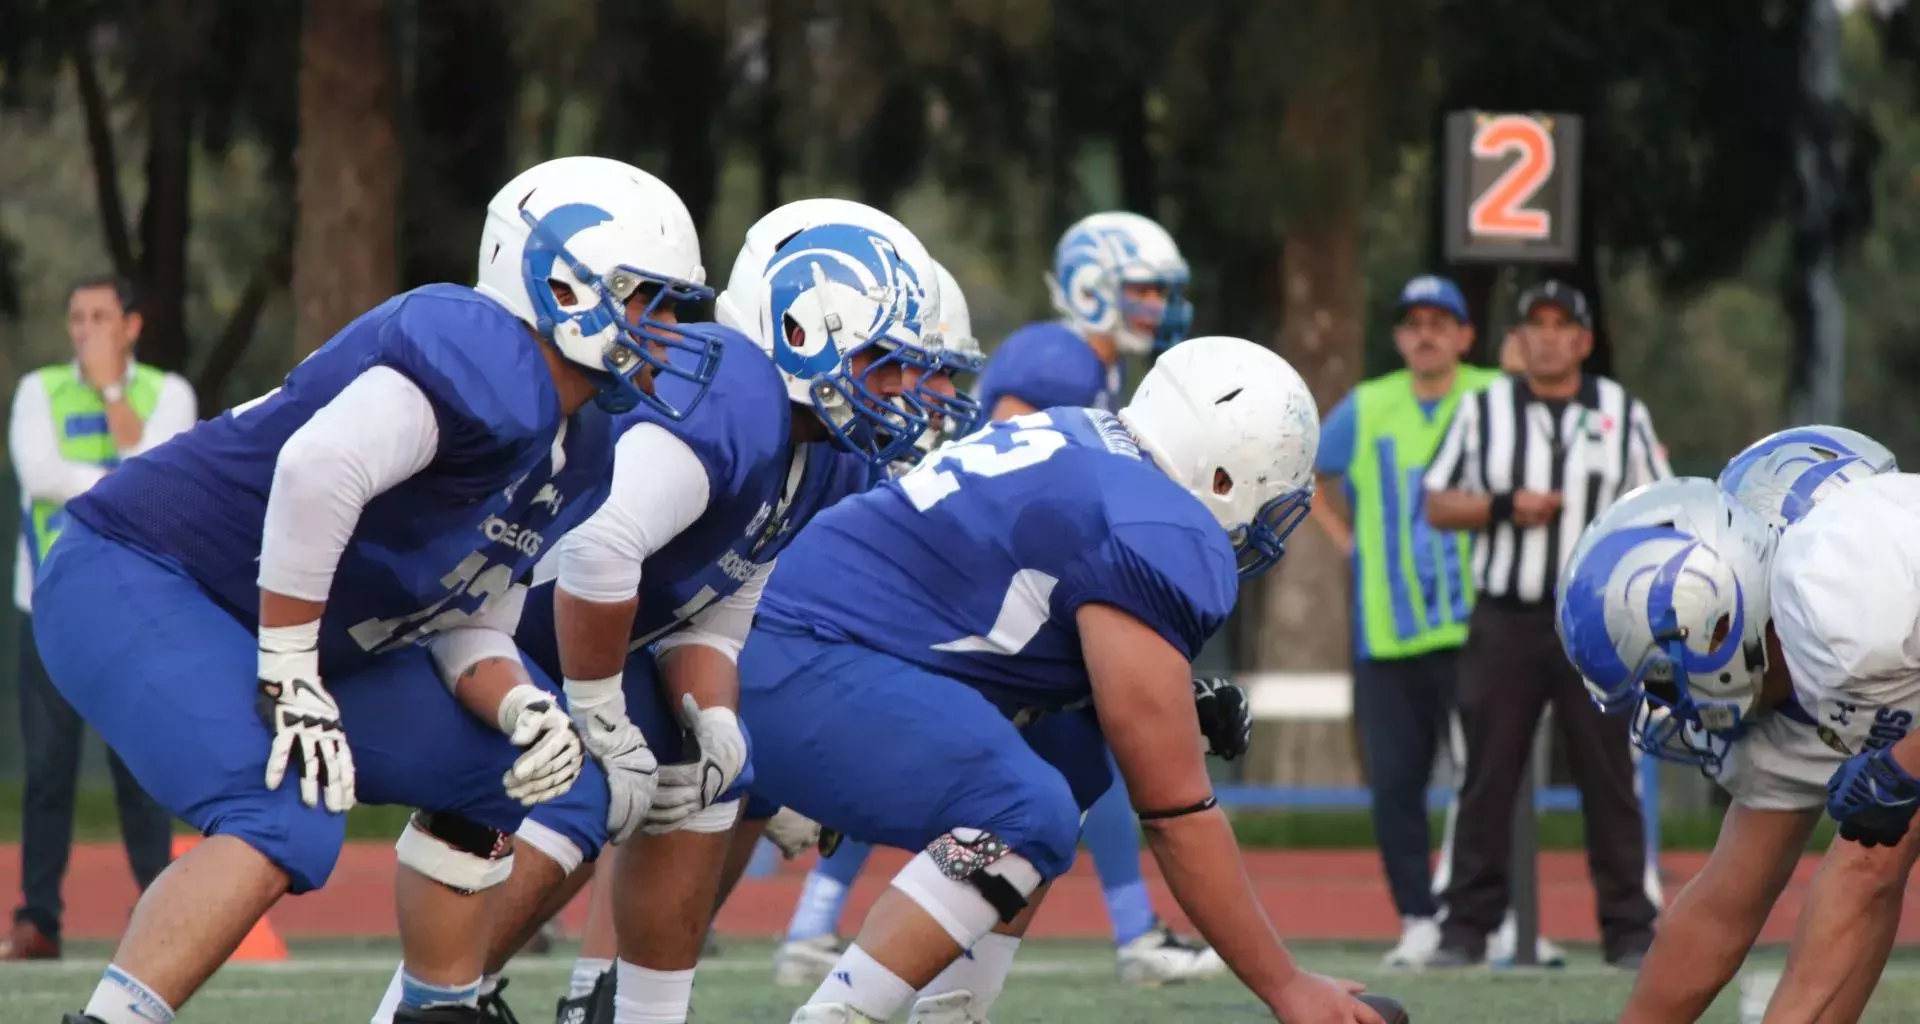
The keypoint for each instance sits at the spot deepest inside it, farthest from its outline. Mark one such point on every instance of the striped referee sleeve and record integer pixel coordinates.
(1456, 466)
(1646, 456)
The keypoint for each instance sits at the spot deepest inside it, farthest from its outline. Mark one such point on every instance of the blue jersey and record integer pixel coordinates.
(430, 549)
(1046, 365)
(741, 433)
(973, 564)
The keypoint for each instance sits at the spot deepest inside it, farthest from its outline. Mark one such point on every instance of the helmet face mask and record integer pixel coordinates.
(567, 243)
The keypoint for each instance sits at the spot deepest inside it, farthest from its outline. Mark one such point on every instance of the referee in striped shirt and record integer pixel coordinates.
(1525, 466)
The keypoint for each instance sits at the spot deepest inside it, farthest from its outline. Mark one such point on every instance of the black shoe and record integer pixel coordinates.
(438, 1015)
(80, 1018)
(596, 1007)
(1450, 955)
(494, 1008)
(1628, 953)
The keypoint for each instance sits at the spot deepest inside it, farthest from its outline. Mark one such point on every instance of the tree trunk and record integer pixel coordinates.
(1299, 614)
(174, 30)
(348, 166)
(465, 87)
(693, 65)
(106, 161)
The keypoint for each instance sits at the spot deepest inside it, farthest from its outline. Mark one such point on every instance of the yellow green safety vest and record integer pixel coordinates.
(1414, 584)
(80, 422)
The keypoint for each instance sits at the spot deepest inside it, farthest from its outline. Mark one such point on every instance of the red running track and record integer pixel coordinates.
(1309, 894)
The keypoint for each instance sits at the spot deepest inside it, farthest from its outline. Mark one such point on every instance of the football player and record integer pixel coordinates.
(1805, 706)
(644, 609)
(1027, 597)
(355, 537)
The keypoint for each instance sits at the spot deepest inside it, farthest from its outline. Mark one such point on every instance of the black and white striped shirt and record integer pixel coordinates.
(1590, 449)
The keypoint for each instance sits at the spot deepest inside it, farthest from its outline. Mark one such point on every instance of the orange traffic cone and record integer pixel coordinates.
(262, 943)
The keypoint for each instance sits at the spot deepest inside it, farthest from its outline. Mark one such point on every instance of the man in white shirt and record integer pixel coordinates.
(72, 424)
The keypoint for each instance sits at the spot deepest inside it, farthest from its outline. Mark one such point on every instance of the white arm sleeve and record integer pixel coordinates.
(487, 634)
(174, 412)
(44, 475)
(659, 488)
(724, 624)
(378, 431)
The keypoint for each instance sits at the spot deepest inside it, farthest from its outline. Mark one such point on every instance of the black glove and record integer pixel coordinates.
(1878, 826)
(1226, 719)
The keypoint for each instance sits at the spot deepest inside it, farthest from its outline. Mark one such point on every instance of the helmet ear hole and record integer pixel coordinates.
(1720, 630)
(562, 291)
(1222, 482)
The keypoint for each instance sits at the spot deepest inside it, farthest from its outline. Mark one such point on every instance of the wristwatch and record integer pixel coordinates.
(113, 392)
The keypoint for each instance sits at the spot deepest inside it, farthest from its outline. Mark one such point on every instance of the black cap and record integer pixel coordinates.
(1561, 294)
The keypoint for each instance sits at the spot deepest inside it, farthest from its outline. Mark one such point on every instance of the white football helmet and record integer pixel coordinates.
(1663, 609)
(1783, 476)
(1100, 254)
(1235, 425)
(960, 362)
(816, 283)
(602, 229)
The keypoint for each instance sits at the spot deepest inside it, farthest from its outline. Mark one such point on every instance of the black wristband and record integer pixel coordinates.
(1500, 510)
(1179, 812)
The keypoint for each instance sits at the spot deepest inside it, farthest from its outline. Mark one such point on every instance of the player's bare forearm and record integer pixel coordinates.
(281, 610)
(710, 676)
(1458, 510)
(1200, 859)
(1142, 692)
(1846, 931)
(1705, 935)
(482, 687)
(592, 634)
(1907, 753)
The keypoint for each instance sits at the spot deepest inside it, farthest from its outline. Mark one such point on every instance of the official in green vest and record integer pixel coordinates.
(1412, 585)
(72, 424)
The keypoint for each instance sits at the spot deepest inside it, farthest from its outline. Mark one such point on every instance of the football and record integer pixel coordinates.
(1387, 1007)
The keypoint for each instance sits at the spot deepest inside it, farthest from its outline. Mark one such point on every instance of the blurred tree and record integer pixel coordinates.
(348, 168)
(461, 96)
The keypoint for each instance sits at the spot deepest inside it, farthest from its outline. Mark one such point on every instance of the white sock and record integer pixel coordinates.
(489, 984)
(120, 998)
(863, 983)
(586, 971)
(818, 912)
(644, 996)
(383, 1014)
(981, 970)
(423, 994)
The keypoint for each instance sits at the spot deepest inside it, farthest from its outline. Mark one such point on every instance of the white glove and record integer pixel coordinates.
(793, 832)
(533, 721)
(599, 711)
(720, 755)
(303, 716)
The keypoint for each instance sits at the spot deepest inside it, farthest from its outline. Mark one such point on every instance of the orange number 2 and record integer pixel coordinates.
(1501, 210)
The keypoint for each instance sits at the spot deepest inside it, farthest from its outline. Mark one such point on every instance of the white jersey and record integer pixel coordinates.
(1846, 604)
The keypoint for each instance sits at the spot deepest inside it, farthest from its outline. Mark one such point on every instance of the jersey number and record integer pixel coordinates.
(473, 577)
(1500, 211)
(931, 482)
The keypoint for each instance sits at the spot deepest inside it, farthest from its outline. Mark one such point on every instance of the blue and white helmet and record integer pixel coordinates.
(1663, 609)
(601, 230)
(1783, 476)
(816, 283)
(1097, 257)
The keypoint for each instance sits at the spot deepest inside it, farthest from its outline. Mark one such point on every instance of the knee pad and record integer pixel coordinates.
(968, 880)
(459, 854)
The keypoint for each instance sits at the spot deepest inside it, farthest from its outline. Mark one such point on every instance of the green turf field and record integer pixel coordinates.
(1053, 982)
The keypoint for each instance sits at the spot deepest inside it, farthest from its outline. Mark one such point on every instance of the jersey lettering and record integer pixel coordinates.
(936, 479)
